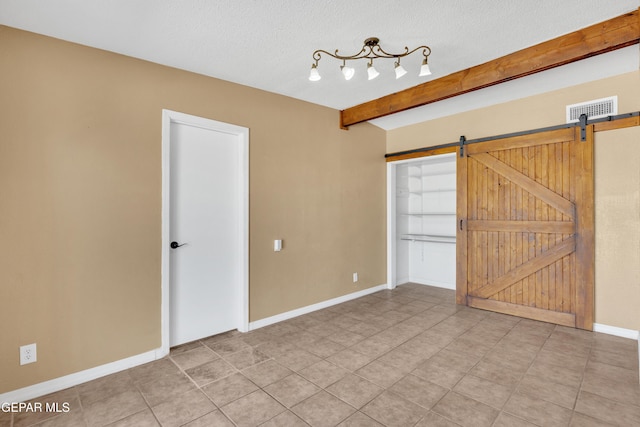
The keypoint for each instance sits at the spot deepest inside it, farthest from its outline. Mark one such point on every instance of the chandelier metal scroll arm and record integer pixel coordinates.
(317, 55)
(377, 53)
(424, 52)
(381, 53)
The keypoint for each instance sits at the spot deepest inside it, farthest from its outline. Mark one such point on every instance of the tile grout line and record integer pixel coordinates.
(443, 348)
(198, 387)
(137, 385)
(584, 371)
(451, 389)
(515, 389)
(383, 354)
(501, 410)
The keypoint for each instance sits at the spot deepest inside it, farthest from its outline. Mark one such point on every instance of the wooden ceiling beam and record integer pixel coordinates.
(603, 37)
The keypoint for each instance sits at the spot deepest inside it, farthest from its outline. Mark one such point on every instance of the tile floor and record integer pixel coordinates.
(407, 357)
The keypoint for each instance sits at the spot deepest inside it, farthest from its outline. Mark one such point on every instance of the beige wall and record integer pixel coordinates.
(80, 201)
(617, 192)
(617, 180)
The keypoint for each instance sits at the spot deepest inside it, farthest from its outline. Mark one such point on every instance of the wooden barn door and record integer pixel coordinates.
(525, 240)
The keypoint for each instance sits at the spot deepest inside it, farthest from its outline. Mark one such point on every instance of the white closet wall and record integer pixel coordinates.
(426, 221)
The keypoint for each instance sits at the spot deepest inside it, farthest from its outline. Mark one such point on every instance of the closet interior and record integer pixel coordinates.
(425, 229)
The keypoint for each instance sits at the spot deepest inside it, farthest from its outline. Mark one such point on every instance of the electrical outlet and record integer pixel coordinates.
(28, 354)
(355, 277)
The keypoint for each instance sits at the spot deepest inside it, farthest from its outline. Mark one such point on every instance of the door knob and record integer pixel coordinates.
(175, 245)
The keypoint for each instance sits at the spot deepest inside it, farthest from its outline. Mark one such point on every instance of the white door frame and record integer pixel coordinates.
(173, 117)
(391, 225)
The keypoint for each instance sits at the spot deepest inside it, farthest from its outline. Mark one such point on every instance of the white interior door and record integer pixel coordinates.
(206, 220)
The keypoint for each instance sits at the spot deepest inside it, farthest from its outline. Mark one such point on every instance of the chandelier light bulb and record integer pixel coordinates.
(400, 71)
(314, 75)
(347, 72)
(371, 71)
(424, 69)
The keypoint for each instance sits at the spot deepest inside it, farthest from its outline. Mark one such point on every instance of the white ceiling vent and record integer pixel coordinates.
(595, 109)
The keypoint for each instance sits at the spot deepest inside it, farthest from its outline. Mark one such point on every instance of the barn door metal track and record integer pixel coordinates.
(463, 141)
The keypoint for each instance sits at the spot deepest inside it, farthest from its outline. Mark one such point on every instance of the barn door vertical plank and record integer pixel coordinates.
(532, 237)
(479, 242)
(506, 236)
(525, 236)
(538, 160)
(492, 200)
(516, 215)
(585, 255)
(473, 248)
(544, 237)
(480, 246)
(498, 208)
(485, 238)
(573, 165)
(566, 261)
(558, 237)
(470, 215)
(461, 229)
(551, 238)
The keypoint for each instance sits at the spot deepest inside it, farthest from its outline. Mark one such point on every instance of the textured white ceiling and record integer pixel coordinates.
(267, 44)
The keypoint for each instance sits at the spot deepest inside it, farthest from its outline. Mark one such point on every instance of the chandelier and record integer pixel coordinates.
(371, 50)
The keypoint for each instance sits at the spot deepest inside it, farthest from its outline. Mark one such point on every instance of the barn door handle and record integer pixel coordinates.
(175, 245)
(460, 225)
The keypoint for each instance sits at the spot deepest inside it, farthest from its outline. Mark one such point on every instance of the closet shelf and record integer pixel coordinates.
(417, 174)
(428, 214)
(441, 190)
(428, 238)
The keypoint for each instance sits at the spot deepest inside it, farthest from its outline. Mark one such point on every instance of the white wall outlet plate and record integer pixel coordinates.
(28, 354)
(355, 277)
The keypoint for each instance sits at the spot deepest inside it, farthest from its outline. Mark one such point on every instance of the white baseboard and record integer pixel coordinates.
(614, 330)
(61, 383)
(313, 307)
